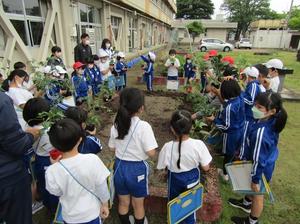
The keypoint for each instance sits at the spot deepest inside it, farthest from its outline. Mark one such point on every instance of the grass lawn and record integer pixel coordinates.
(285, 182)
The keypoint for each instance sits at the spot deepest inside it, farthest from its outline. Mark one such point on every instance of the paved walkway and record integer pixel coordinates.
(287, 94)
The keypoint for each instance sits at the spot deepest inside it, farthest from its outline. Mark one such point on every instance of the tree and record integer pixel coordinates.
(294, 22)
(194, 9)
(195, 29)
(272, 14)
(244, 12)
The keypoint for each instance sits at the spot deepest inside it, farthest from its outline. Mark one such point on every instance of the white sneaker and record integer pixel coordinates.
(225, 177)
(131, 219)
(37, 206)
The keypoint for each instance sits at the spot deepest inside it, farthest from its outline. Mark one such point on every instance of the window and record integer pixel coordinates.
(115, 24)
(217, 41)
(90, 22)
(28, 18)
(132, 32)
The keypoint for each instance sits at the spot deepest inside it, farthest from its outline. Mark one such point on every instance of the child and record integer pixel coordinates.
(90, 143)
(275, 66)
(79, 180)
(188, 68)
(133, 141)
(13, 86)
(42, 147)
(106, 69)
(230, 121)
(80, 84)
(148, 70)
(251, 91)
(121, 69)
(93, 76)
(54, 91)
(182, 158)
(55, 58)
(173, 65)
(270, 118)
(264, 81)
(1, 79)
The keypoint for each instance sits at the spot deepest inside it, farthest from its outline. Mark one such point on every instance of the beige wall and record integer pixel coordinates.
(270, 39)
(63, 16)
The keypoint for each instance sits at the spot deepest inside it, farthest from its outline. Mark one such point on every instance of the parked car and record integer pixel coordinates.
(214, 44)
(243, 43)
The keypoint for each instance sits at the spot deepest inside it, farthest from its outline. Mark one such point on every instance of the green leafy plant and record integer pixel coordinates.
(195, 29)
(106, 92)
(51, 117)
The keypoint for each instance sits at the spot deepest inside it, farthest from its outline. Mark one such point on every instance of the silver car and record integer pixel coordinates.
(214, 44)
(243, 43)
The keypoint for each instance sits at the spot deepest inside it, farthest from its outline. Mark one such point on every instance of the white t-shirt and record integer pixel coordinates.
(193, 153)
(274, 83)
(142, 140)
(79, 205)
(102, 67)
(19, 95)
(42, 145)
(172, 70)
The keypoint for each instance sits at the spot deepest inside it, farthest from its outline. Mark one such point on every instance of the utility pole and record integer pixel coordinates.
(287, 21)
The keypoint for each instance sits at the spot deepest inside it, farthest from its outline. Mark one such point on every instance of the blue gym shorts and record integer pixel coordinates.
(131, 178)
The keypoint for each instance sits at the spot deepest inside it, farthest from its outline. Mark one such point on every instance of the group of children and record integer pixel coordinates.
(68, 171)
(250, 120)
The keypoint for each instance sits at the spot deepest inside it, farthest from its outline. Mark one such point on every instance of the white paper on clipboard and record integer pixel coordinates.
(172, 84)
(240, 176)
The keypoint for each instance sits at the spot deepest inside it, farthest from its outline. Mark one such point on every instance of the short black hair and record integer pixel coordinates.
(55, 49)
(172, 51)
(263, 70)
(84, 35)
(230, 71)
(230, 89)
(77, 114)
(19, 65)
(65, 134)
(32, 110)
(90, 60)
(96, 57)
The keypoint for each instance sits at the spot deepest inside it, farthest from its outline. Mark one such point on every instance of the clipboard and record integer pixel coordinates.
(239, 173)
(185, 204)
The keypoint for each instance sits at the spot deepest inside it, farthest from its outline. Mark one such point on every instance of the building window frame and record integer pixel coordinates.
(132, 33)
(28, 21)
(115, 22)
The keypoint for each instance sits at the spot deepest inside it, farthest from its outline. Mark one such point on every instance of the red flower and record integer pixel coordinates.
(213, 53)
(228, 59)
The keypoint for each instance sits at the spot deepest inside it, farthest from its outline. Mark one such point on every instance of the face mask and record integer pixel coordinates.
(189, 61)
(257, 114)
(172, 56)
(107, 46)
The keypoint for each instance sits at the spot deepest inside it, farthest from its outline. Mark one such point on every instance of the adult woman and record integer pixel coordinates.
(106, 46)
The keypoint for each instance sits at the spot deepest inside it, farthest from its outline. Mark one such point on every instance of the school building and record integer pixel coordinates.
(218, 28)
(29, 28)
(273, 34)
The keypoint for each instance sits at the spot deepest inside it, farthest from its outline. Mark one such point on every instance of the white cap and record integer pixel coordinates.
(251, 71)
(103, 53)
(60, 69)
(47, 69)
(274, 63)
(152, 56)
(121, 54)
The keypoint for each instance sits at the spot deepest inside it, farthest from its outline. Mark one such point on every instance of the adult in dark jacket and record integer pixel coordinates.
(83, 51)
(15, 191)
